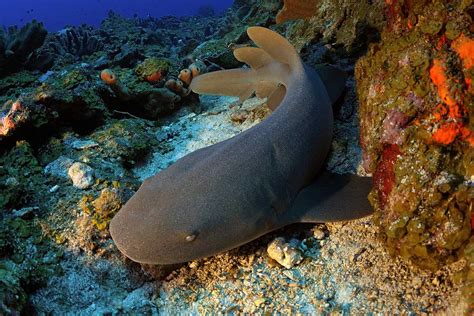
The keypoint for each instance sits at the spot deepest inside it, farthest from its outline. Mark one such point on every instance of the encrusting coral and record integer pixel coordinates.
(416, 96)
(153, 69)
(297, 9)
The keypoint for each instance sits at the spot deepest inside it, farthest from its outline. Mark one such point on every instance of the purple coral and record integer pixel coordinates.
(393, 127)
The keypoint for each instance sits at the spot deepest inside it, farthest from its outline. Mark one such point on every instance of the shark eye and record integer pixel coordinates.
(191, 237)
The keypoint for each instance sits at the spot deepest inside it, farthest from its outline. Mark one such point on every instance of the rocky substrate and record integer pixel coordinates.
(92, 112)
(345, 268)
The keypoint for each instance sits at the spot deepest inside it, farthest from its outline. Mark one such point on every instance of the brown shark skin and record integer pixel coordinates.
(225, 195)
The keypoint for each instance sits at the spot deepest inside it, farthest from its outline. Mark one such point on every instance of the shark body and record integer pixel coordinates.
(225, 195)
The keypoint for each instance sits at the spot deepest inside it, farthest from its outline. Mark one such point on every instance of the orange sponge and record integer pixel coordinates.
(108, 76)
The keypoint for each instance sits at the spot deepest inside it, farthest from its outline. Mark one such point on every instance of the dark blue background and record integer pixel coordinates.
(58, 13)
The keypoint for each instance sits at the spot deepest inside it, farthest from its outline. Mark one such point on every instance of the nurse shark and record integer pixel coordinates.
(225, 195)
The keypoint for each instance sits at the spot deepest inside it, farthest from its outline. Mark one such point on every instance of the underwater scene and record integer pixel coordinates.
(259, 157)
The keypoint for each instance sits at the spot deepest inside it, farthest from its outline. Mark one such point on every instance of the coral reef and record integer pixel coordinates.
(66, 46)
(339, 29)
(17, 46)
(22, 271)
(81, 96)
(75, 41)
(132, 94)
(416, 129)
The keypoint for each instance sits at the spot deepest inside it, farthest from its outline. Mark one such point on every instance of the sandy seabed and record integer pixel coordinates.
(346, 269)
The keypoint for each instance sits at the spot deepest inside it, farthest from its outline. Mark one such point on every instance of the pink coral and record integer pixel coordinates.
(393, 126)
(12, 118)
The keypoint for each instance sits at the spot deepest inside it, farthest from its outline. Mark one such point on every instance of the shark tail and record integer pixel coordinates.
(270, 64)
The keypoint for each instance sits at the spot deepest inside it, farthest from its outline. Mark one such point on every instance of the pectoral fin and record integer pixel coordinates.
(332, 197)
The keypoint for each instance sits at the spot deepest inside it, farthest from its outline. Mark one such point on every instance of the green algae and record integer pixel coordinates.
(11, 85)
(127, 140)
(73, 78)
(28, 261)
(20, 176)
(102, 209)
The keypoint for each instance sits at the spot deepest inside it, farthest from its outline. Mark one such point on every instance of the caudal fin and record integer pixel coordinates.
(230, 82)
(270, 67)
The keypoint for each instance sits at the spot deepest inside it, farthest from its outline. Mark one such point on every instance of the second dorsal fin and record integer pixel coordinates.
(253, 56)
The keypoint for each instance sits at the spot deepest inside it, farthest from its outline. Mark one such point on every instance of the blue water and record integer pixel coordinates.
(55, 14)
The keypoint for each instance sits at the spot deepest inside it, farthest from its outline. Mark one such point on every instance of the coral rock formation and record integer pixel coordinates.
(17, 46)
(416, 129)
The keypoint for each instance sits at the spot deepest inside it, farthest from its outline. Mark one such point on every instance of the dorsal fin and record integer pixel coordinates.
(253, 56)
(257, 58)
(272, 64)
(275, 45)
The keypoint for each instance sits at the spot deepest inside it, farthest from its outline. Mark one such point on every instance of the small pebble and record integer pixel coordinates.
(11, 182)
(84, 144)
(318, 233)
(54, 188)
(259, 301)
(25, 212)
(82, 175)
(59, 167)
(285, 254)
(193, 264)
